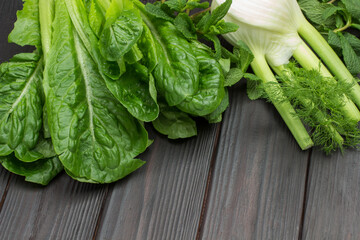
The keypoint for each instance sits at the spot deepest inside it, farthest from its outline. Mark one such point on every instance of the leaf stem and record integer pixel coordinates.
(347, 25)
(199, 13)
(331, 2)
(104, 5)
(287, 112)
(328, 55)
(308, 60)
(46, 12)
(343, 28)
(356, 26)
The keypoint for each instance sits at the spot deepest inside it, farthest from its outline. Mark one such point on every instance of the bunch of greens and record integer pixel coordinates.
(338, 21)
(101, 69)
(270, 33)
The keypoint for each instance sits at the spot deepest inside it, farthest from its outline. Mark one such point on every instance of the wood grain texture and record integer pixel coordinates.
(333, 202)
(259, 176)
(65, 209)
(4, 179)
(164, 199)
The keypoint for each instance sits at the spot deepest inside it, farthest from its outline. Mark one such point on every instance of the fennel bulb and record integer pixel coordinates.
(274, 31)
(268, 27)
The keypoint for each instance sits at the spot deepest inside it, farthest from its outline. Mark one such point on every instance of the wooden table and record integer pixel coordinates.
(245, 178)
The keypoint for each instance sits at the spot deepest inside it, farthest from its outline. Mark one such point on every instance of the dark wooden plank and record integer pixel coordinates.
(65, 209)
(163, 200)
(259, 176)
(4, 179)
(333, 202)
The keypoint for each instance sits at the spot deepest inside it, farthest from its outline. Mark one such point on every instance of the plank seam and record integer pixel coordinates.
(5, 193)
(303, 209)
(98, 221)
(209, 182)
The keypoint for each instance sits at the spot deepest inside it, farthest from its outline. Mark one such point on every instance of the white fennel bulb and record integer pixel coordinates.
(268, 27)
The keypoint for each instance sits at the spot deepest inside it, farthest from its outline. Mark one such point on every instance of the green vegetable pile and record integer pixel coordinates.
(101, 69)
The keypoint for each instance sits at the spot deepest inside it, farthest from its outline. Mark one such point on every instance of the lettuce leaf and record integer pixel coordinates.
(21, 104)
(95, 137)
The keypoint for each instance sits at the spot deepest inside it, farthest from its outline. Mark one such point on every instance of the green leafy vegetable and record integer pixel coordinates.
(211, 90)
(352, 61)
(134, 99)
(158, 12)
(176, 5)
(100, 68)
(185, 25)
(94, 136)
(177, 72)
(27, 27)
(353, 7)
(216, 116)
(234, 76)
(21, 106)
(174, 123)
(119, 34)
(133, 90)
(41, 171)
